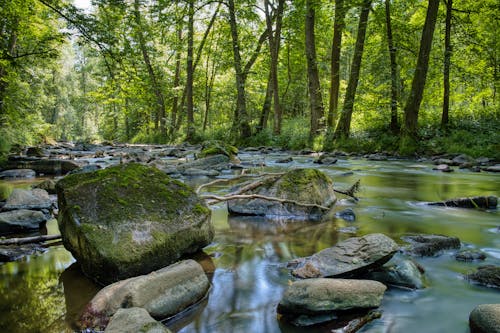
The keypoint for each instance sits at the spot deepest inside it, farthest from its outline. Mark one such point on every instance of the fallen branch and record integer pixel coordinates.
(351, 190)
(217, 198)
(26, 240)
(228, 180)
(356, 324)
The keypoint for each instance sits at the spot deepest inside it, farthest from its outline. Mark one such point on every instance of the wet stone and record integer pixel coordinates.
(430, 245)
(470, 255)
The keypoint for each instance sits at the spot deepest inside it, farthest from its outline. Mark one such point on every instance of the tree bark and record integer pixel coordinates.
(447, 63)
(266, 107)
(419, 77)
(338, 27)
(394, 126)
(160, 101)
(315, 99)
(240, 116)
(190, 74)
(344, 125)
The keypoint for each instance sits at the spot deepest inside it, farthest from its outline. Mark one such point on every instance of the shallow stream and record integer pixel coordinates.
(46, 292)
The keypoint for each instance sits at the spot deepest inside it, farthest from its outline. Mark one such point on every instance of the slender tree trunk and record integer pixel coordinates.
(177, 81)
(315, 98)
(190, 74)
(419, 77)
(274, 45)
(209, 83)
(394, 126)
(266, 107)
(160, 101)
(338, 27)
(447, 63)
(3, 71)
(344, 125)
(241, 123)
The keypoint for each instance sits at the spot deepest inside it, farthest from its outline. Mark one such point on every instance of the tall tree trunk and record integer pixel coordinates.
(419, 77)
(266, 107)
(447, 63)
(338, 27)
(274, 46)
(190, 74)
(315, 98)
(241, 121)
(344, 125)
(177, 81)
(3, 71)
(394, 126)
(160, 101)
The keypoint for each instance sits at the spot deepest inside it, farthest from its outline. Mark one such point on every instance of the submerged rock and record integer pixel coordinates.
(21, 220)
(161, 293)
(15, 252)
(470, 255)
(133, 320)
(351, 257)
(17, 173)
(36, 199)
(488, 276)
(306, 186)
(485, 202)
(129, 220)
(346, 214)
(400, 273)
(485, 318)
(316, 300)
(430, 245)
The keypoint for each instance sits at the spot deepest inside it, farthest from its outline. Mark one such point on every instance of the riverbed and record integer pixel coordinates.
(247, 259)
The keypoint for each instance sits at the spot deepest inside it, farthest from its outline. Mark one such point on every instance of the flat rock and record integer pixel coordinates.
(321, 295)
(430, 245)
(483, 202)
(162, 293)
(488, 276)
(470, 255)
(14, 252)
(485, 318)
(492, 168)
(133, 320)
(42, 165)
(17, 173)
(351, 257)
(443, 168)
(36, 199)
(130, 219)
(21, 220)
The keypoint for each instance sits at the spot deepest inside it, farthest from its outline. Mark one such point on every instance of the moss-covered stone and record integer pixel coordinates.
(307, 186)
(215, 147)
(129, 219)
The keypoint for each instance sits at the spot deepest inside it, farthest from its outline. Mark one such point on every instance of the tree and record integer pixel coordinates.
(394, 126)
(338, 27)
(447, 63)
(344, 124)
(419, 77)
(315, 99)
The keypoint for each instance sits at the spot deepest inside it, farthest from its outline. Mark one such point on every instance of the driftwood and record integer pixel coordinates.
(228, 180)
(351, 191)
(217, 198)
(356, 324)
(27, 240)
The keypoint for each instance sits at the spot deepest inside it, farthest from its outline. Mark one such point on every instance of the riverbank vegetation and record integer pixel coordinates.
(406, 77)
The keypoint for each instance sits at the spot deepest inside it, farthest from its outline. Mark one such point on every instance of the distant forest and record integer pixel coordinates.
(403, 75)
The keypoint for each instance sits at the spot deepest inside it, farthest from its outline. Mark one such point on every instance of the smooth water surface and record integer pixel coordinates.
(44, 293)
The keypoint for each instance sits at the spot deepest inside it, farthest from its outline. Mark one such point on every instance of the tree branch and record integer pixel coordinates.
(217, 198)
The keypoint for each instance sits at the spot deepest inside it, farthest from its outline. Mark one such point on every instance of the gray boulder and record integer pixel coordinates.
(470, 255)
(306, 186)
(17, 173)
(162, 294)
(492, 168)
(212, 162)
(129, 220)
(351, 257)
(430, 245)
(487, 275)
(21, 220)
(133, 320)
(36, 199)
(400, 273)
(316, 300)
(485, 318)
(48, 185)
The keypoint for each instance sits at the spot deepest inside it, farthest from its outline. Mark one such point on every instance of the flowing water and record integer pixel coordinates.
(46, 292)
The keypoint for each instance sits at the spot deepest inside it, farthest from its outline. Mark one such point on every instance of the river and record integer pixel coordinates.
(45, 292)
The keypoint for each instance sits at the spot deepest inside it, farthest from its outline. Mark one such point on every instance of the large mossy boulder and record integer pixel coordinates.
(485, 318)
(128, 220)
(309, 194)
(216, 147)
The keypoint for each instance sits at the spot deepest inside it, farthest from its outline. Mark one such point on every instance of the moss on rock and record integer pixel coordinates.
(216, 147)
(129, 220)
